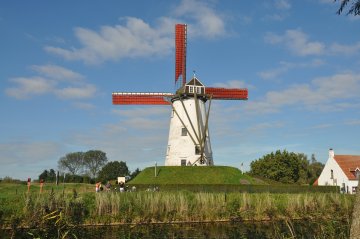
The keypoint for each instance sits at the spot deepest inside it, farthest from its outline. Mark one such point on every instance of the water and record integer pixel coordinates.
(283, 229)
(277, 229)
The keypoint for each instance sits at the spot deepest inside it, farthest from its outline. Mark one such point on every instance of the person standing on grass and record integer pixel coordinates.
(41, 185)
(97, 187)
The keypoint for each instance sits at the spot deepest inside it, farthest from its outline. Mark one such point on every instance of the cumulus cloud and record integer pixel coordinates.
(282, 4)
(56, 80)
(136, 38)
(57, 72)
(285, 66)
(85, 91)
(353, 49)
(27, 87)
(322, 93)
(233, 84)
(297, 42)
(26, 153)
(207, 22)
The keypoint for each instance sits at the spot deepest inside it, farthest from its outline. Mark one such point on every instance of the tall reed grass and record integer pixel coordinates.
(187, 206)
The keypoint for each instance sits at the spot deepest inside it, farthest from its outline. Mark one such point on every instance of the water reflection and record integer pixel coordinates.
(278, 229)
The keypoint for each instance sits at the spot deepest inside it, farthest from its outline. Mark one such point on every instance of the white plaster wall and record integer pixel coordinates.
(339, 176)
(182, 147)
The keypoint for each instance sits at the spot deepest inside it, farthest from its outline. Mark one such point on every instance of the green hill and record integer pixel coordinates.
(193, 175)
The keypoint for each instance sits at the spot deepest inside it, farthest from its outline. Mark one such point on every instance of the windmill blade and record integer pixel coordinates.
(227, 93)
(180, 52)
(151, 98)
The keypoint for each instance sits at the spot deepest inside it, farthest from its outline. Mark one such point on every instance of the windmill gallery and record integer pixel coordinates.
(189, 140)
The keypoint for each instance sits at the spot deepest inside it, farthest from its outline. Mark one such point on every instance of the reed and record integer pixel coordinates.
(187, 206)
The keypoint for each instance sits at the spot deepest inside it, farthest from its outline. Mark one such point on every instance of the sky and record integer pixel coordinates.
(61, 60)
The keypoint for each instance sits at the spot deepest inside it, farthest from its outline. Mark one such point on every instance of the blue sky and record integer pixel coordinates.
(61, 60)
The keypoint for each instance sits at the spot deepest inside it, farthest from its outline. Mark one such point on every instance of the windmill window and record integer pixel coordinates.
(197, 150)
(198, 90)
(183, 131)
(332, 174)
(183, 162)
(191, 89)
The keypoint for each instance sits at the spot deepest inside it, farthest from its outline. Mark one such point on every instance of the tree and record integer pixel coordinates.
(286, 167)
(354, 8)
(112, 170)
(48, 176)
(315, 169)
(72, 162)
(94, 160)
(135, 173)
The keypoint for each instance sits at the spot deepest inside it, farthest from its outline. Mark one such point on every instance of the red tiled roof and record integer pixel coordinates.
(348, 164)
(316, 183)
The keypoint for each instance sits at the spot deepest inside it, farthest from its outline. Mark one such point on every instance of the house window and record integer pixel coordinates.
(183, 131)
(197, 150)
(332, 174)
(183, 162)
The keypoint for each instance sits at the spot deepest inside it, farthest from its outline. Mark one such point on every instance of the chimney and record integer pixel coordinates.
(331, 153)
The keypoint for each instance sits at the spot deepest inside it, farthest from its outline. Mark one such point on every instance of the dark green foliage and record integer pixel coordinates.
(94, 160)
(48, 176)
(354, 8)
(72, 162)
(112, 170)
(286, 167)
(135, 173)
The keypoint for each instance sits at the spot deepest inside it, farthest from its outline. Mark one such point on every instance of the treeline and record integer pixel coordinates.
(287, 167)
(87, 167)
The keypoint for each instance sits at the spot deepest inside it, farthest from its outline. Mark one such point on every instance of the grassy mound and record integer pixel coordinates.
(192, 175)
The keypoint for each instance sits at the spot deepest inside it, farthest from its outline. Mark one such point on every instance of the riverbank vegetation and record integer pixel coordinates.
(63, 209)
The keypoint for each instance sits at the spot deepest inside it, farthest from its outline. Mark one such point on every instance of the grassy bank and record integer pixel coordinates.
(193, 175)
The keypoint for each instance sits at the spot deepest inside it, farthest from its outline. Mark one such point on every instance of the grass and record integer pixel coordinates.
(144, 207)
(192, 175)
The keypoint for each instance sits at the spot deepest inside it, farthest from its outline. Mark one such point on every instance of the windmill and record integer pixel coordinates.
(189, 140)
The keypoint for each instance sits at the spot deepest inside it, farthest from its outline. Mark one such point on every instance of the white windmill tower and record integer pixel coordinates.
(189, 141)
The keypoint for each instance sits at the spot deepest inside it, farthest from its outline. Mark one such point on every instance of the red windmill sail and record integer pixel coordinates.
(180, 52)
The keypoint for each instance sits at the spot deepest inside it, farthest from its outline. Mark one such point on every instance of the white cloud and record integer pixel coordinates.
(26, 153)
(282, 4)
(85, 91)
(27, 87)
(321, 94)
(136, 38)
(145, 111)
(297, 42)
(353, 122)
(57, 72)
(286, 66)
(233, 84)
(207, 22)
(57, 80)
(342, 49)
(84, 106)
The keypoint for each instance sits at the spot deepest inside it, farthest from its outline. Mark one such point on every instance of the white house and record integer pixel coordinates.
(341, 170)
